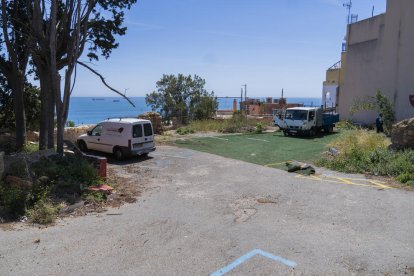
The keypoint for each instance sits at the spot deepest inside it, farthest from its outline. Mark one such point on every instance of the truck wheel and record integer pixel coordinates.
(82, 146)
(118, 153)
(312, 132)
(331, 129)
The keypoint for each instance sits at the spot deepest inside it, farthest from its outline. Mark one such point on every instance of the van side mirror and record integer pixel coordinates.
(89, 132)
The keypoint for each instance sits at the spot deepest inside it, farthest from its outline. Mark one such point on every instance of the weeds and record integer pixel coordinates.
(259, 128)
(30, 148)
(94, 197)
(237, 124)
(367, 152)
(185, 130)
(53, 180)
(43, 212)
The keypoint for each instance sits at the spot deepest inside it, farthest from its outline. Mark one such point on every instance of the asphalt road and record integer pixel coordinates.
(202, 214)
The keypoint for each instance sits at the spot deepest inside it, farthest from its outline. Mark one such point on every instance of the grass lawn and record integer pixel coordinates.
(270, 149)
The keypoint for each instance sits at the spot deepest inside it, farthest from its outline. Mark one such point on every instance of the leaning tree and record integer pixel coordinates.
(63, 31)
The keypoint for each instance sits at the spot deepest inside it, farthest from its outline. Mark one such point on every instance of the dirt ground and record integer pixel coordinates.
(199, 214)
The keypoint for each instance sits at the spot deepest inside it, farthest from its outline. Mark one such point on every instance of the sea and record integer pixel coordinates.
(89, 110)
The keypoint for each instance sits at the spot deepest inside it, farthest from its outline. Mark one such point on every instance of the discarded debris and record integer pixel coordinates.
(301, 168)
(73, 207)
(333, 151)
(102, 188)
(36, 241)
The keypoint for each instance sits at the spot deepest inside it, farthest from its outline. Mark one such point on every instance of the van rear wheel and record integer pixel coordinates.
(118, 153)
(82, 146)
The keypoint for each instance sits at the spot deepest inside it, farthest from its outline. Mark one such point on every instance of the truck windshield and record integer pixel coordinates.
(297, 115)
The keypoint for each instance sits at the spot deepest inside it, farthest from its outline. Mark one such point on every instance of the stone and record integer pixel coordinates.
(16, 165)
(18, 182)
(402, 135)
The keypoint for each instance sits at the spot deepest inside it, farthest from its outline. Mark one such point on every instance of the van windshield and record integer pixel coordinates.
(297, 115)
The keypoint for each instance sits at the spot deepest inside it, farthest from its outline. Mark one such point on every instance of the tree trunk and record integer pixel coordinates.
(51, 121)
(59, 116)
(47, 112)
(17, 86)
(44, 109)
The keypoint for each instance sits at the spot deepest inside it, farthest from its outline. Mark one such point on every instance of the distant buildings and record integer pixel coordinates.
(256, 107)
(379, 55)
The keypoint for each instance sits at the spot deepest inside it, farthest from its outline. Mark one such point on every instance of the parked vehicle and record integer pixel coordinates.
(121, 136)
(305, 120)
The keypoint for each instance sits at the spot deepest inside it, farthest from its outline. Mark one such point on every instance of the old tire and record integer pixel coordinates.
(118, 153)
(82, 146)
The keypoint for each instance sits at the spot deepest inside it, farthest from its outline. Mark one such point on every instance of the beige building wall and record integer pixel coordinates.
(380, 56)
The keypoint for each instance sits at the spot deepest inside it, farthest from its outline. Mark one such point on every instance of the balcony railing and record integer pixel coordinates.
(335, 66)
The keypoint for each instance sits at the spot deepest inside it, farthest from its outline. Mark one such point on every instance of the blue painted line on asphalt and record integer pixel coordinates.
(248, 256)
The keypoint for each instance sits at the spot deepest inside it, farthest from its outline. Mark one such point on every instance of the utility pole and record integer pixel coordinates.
(245, 98)
(241, 99)
(348, 6)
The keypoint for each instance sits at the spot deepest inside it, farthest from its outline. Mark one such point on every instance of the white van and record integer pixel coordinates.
(122, 137)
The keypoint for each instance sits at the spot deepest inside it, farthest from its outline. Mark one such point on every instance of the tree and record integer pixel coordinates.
(62, 30)
(183, 97)
(14, 58)
(379, 103)
(31, 103)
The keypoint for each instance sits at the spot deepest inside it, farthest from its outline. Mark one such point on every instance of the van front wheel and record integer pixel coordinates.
(119, 153)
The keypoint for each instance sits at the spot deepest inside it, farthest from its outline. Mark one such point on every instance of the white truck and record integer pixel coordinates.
(120, 136)
(305, 120)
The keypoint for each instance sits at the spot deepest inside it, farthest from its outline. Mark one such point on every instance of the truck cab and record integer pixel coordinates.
(121, 136)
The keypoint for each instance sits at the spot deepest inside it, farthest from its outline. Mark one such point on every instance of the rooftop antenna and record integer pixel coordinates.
(348, 6)
(373, 9)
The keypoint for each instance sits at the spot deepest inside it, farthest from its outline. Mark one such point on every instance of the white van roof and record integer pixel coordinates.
(303, 108)
(126, 120)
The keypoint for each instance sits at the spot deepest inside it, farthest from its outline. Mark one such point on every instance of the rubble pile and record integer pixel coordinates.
(402, 135)
(155, 119)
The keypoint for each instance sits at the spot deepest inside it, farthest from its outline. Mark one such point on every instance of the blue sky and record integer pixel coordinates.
(268, 44)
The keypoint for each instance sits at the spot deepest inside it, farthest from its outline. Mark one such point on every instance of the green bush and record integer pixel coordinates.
(12, 201)
(70, 124)
(259, 128)
(66, 171)
(366, 152)
(406, 177)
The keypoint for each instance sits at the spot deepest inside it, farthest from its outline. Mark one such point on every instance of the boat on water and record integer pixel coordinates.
(116, 101)
(98, 99)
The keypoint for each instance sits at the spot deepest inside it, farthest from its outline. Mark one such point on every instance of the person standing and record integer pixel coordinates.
(379, 122)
